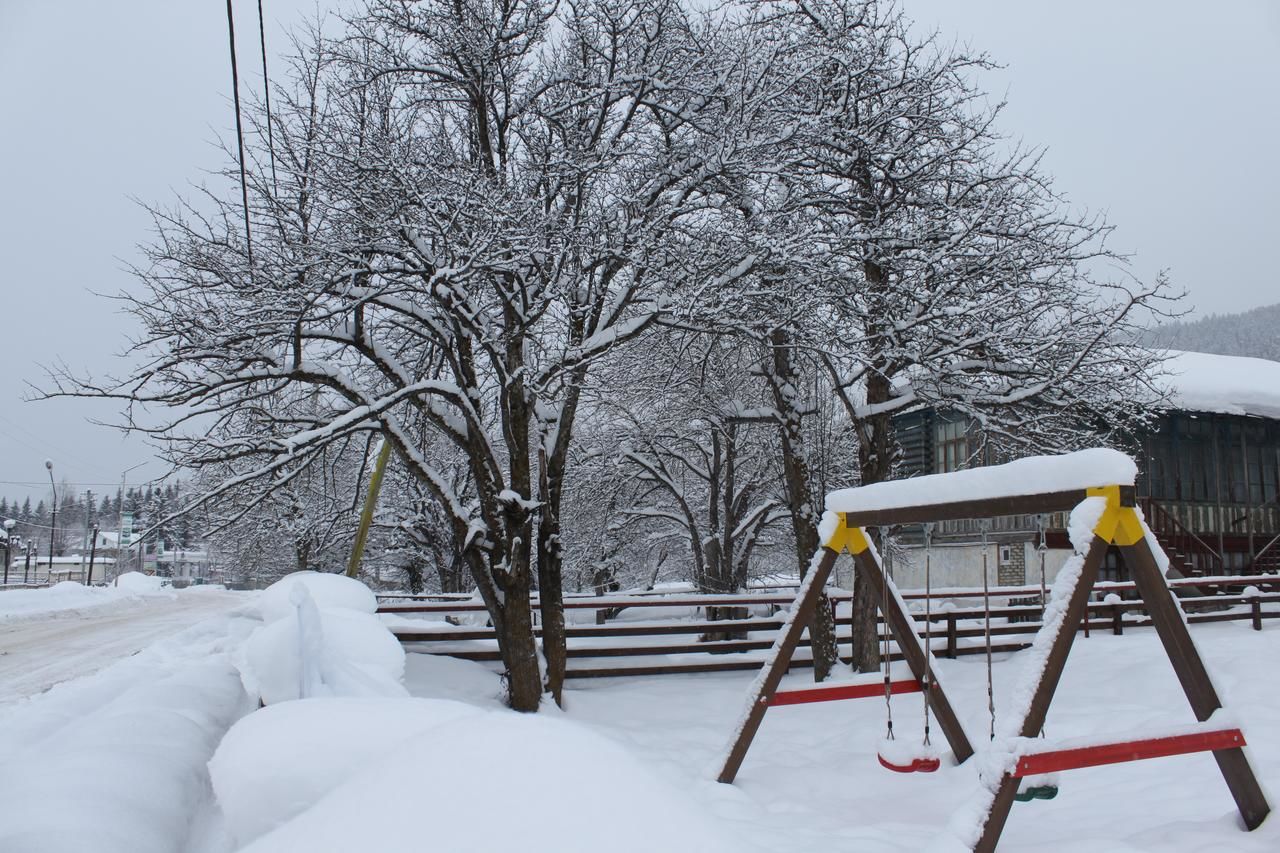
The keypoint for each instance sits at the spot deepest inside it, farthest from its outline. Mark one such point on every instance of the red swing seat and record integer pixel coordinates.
(923, 764)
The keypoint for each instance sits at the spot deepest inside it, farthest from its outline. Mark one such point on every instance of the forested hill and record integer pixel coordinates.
(1253, 333)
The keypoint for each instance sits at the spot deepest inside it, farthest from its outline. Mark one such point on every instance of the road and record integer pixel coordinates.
(38, 652)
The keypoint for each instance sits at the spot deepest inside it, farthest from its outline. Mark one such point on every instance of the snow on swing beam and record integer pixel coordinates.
(835, 692)
(1055, 760)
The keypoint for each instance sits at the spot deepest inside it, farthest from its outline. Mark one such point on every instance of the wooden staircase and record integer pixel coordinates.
(1189, 555)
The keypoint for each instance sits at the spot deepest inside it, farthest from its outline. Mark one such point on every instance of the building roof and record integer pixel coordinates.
(1225, 384)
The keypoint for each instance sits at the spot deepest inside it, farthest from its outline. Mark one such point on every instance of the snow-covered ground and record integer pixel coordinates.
(116, 761)
(812, 783)
(48, 636)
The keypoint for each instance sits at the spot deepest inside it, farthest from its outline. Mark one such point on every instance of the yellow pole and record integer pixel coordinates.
(366, 516)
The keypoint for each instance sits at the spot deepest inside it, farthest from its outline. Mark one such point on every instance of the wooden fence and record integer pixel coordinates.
(670, 643)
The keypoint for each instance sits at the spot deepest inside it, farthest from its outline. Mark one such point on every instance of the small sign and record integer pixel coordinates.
(126, 529)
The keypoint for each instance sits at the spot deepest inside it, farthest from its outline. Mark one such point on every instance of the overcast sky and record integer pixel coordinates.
(1165, 115)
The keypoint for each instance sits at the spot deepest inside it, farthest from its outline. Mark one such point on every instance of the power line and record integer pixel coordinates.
(266, 96)
(235, 91)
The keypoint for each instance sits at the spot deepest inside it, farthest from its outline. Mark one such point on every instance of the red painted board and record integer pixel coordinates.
(1052, 761)
(842, 691)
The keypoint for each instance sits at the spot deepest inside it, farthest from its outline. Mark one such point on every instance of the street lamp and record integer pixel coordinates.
(9, 524)
(53, 526)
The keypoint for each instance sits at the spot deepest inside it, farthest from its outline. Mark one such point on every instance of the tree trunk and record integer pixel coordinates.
(551, 584)
(804, 523)
(302, 551)
(518, 647)
(875, 464)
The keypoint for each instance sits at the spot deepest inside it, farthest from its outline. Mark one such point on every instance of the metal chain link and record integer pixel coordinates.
(884, 595)
(928, 625)
(985, 526)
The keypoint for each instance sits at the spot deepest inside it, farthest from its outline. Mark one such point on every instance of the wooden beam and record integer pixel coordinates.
(1037, 709)
(834, 692)
(1056, 760)
(1045, 502)
(1167, 617)
(775, 665)
(902, 627)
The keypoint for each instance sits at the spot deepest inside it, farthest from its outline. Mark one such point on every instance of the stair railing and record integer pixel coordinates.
(1173, 533)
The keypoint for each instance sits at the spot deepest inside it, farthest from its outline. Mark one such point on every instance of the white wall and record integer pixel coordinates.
(958, 566)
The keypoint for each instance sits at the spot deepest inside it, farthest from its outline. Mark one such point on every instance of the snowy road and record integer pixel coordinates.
(37, 653)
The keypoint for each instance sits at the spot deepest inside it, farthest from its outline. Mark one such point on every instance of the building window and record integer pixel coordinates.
(950, 446)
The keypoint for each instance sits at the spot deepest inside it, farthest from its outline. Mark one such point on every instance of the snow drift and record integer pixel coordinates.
(320, 637)
(557, 785)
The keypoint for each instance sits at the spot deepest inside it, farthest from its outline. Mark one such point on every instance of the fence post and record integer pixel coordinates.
(951, 635)
(1117, 619)
(1255, 607)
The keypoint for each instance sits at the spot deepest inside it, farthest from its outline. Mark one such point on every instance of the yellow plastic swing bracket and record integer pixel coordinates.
(852, 538)
(1119, 525)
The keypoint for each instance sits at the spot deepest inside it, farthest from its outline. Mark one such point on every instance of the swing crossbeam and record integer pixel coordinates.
(1055, 760)
(834, 692)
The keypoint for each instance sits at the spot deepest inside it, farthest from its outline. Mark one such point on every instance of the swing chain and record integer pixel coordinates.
(985, 526)
(928, 625)
(884, 594)
(1041, 548)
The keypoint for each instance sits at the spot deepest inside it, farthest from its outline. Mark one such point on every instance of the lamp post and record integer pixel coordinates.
(53, 524)
(9, 524)
(26, 569)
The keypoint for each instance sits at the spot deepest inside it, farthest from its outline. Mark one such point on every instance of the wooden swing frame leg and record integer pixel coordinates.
(1038, 709)
(1182, 653)
(777, 663)
(901, 624)
(1167, 617)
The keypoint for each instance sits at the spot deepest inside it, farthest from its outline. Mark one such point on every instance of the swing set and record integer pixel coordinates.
(1111, 515)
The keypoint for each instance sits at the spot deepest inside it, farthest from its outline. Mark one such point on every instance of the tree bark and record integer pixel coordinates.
(875, 464)
(804, 522)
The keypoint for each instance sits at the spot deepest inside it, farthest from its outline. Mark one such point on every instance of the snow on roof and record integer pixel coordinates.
(1033, 475)
(1226, 384)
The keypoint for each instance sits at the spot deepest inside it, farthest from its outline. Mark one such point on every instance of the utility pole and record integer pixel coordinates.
(93, 550)
(26, 570)
(88, 514)
(53, 524)
(9, 524)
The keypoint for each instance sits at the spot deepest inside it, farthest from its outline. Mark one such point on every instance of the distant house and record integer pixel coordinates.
(192, 564)
(74, 567)
(1209, 480)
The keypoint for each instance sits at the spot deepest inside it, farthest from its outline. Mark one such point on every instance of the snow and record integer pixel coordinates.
(327, 590)
(309, 748)
(115, 762)
(1225, 384)
(70, 596)
(477, 781)
(138, 583)
(1082, 469)
(340, 653)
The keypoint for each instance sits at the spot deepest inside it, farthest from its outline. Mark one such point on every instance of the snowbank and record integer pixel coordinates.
(70, 596)
(1083, 469)
(116, 762)
(275, 764)
(498, 780)
(353, 655)
(321, 637)
(326, 590)
(138, 583)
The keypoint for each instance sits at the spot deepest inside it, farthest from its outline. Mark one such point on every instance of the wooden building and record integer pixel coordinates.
(1209, 469)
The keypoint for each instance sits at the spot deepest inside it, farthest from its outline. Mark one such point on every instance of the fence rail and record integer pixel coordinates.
(957, 627)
